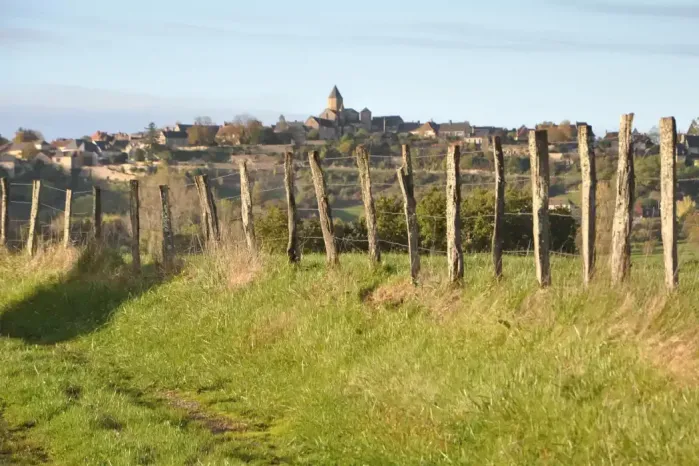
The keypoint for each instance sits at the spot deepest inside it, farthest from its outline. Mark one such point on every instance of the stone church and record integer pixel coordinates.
(337, 120)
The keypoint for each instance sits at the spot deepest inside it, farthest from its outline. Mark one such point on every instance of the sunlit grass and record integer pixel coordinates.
(281, 365)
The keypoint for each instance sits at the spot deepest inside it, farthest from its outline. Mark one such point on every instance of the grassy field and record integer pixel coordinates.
(228, 363)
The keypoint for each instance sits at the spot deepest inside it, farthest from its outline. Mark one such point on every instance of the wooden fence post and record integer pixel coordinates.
(4, 211)
(405, 180)
(97, 213)
(67, 214)
(499, 222)
(623, 212)
(539, 153)
(246, 207)
(208, 205)
(369, 208)
(204, 211)
(135, 205)
(292, 249)
(455, 255)
(33, 216)
(668, 198)
(168, 234)
(324, 211)
(589, 189)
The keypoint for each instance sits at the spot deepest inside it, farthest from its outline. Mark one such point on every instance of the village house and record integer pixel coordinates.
(337, 120)
(8, 164)
(522, 134)
(409, 126)
(479, 135)
(327, 129)
(173, 139)
(386, 124)
(454, 130)
(101, 136)
(429, 130)
(19, 149)
(77, 153)
(692, 144)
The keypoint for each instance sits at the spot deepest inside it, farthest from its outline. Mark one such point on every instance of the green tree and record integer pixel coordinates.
(431, 217)
(313, 135)
(390, 222)
(271, 230)
(150, 136)
(200, 135)
(3, 140)
(27, 135)
(694, 128)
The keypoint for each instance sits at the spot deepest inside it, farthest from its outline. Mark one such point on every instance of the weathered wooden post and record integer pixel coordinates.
(67, 214)
(204, 211)
(589, 188)
(212, 230)
(292, 248)
(4, 211)
(539, 154)
(499, 222)
(405, 180)
(246, 208)
(668, 198)
(324, 211)
(168, 234)
(135, 207)
(455, 255)
(97, 213)
(369, 208)
(33, 217)
(623, 212)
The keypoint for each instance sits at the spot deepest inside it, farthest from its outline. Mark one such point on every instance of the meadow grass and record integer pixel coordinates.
(228, 362)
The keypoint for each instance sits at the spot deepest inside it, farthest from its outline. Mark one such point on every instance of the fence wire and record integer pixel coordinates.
(344, 193)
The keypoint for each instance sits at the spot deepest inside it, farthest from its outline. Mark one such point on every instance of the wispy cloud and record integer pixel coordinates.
(667, 9)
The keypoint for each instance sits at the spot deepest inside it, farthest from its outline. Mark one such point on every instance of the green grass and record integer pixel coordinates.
(350, 213)
(345, 367)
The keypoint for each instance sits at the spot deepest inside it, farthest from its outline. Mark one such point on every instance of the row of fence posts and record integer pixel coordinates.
(620, 260)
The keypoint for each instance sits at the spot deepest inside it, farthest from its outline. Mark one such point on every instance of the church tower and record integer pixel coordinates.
(335, 101)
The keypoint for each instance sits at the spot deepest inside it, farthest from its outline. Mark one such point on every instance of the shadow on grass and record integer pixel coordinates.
(80, 302)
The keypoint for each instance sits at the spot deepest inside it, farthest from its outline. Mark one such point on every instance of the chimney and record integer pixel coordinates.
(384, 124)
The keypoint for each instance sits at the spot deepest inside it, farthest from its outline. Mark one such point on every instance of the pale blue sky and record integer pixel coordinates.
(71, 67)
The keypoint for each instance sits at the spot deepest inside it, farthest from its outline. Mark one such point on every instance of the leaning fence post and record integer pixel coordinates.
(97, 213)
(623, 212)
(292, 249)
(405, 180)
(324, 212)
(135, 205)
(455, 255)
(67, 214)
(369, 208)
(4, 211)
(246, 207)
(208, 206)
(168, 234)
(589, 188)
(198, 183)
(499, 222)
(668, 193)
(539, 154)
(33, 216)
